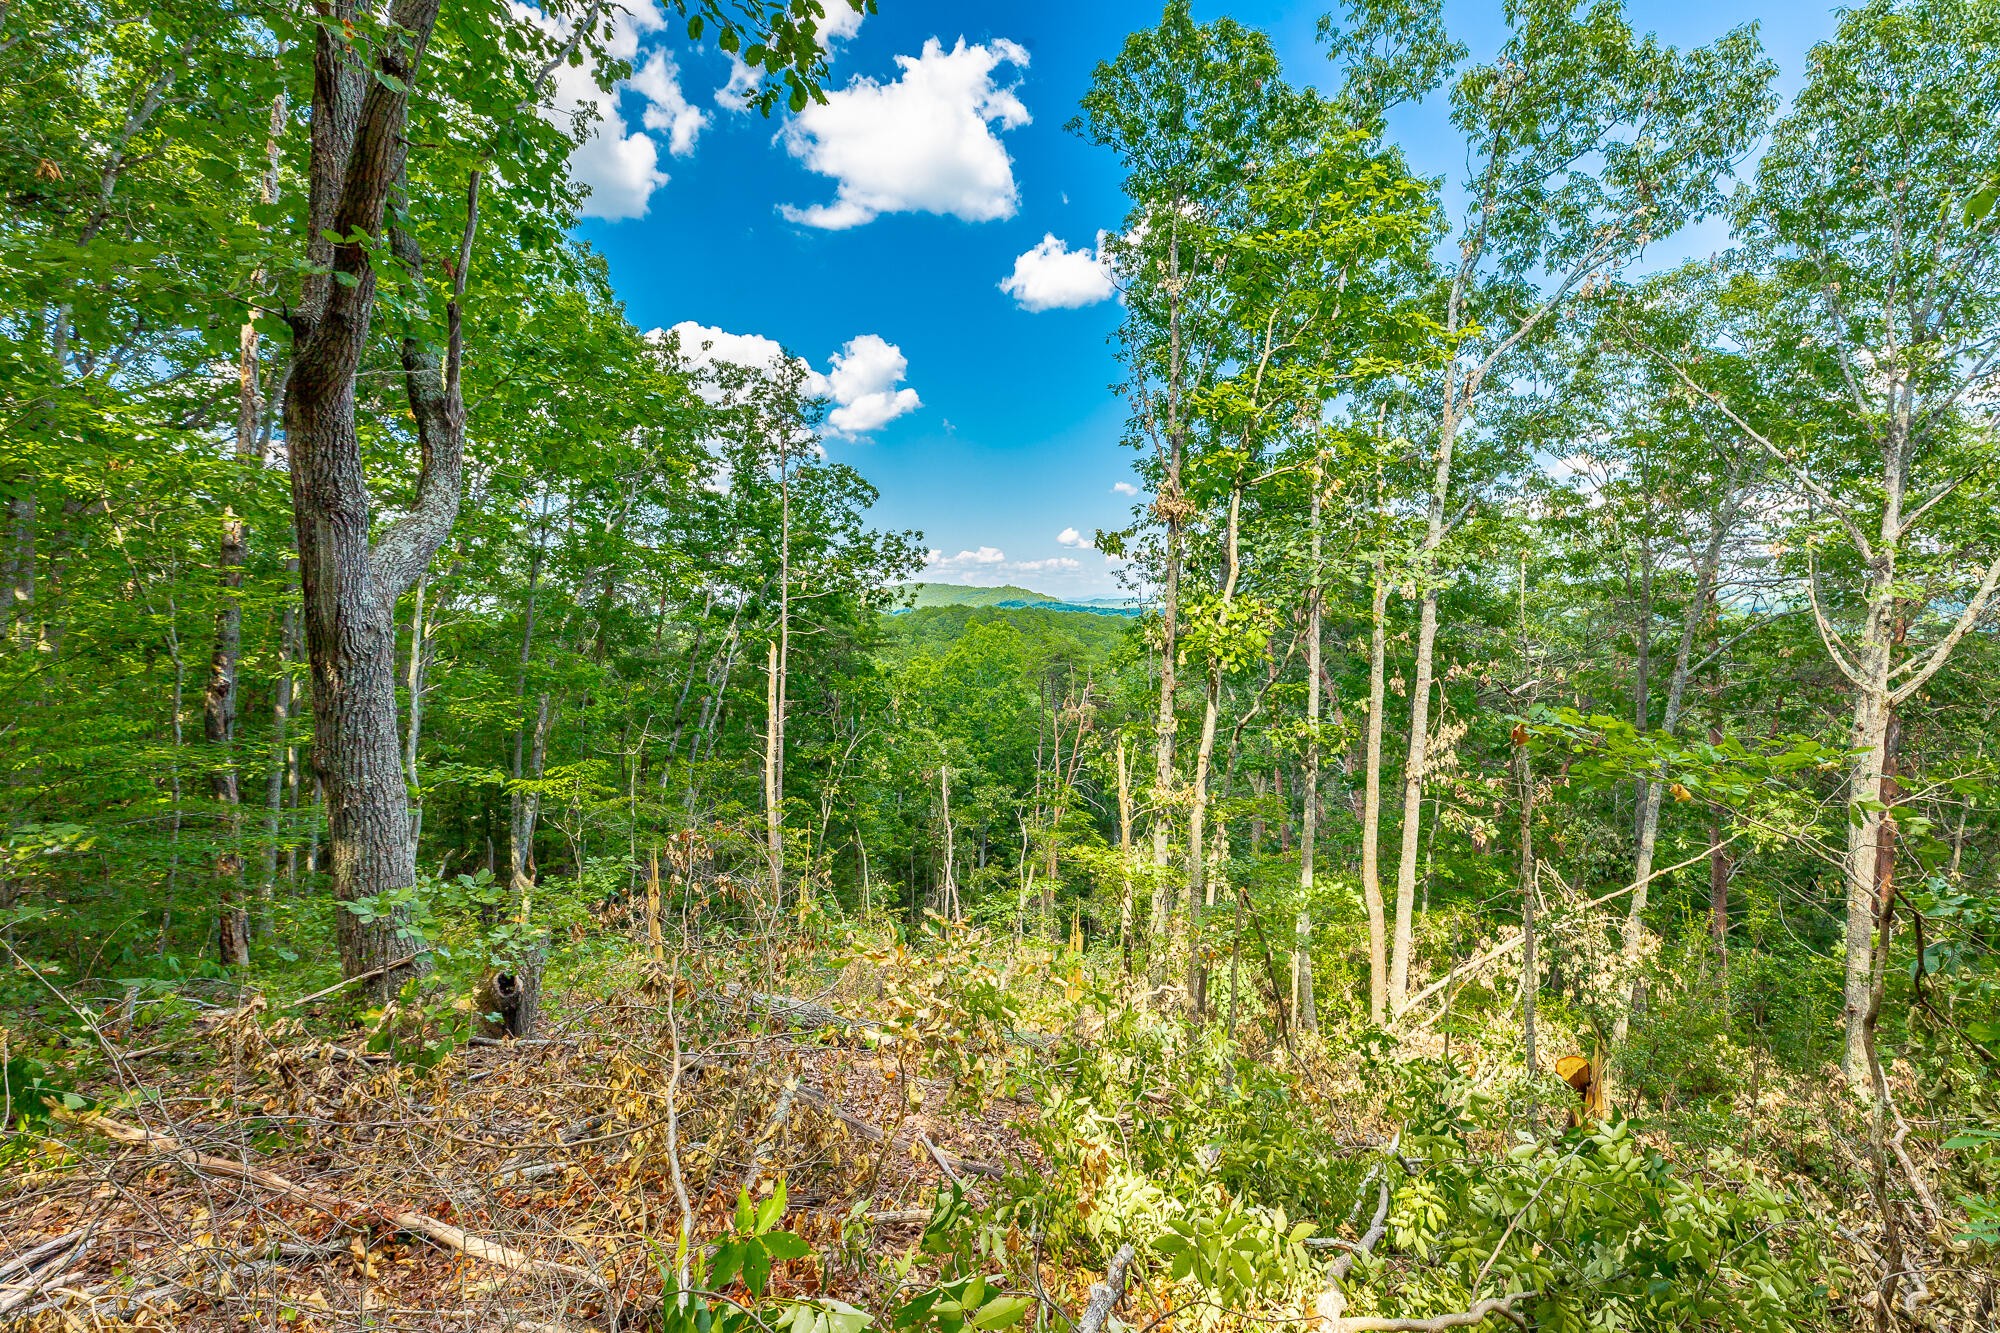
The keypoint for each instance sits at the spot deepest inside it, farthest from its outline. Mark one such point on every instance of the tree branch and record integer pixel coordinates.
(1934, 660)
(1478, 1314)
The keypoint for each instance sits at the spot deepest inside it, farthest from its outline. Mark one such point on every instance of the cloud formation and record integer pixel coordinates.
(1123, 488)
(926, 143)
(861, 380)
(1070, 537)
(1054, 277)
(619, 164)
(988, 566)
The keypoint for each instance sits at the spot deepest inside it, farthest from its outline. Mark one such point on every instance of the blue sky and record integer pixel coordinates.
(871, 238)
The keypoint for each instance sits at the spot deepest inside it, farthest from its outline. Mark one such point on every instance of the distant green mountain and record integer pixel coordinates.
(923, 595)
(954, 594)
(935, 629)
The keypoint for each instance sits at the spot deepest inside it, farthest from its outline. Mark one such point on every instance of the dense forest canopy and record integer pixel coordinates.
(1519, 849)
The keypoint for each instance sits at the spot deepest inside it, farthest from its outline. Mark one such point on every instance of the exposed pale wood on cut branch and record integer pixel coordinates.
(781, 1114)
(1370, 1239)
(347, 1211)
(806, 1014)
(1503, 1306)
(811, 1016)
(20, 1293)
(874, 1133)
(30, 1258)
(1104, 1296)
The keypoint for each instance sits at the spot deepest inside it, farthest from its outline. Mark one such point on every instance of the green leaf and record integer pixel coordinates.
(1001, 1311)
(784, 1245)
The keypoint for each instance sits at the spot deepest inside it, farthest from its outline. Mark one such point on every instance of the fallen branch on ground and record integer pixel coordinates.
(874, 1133)
(31, 1286)
(1104, 1295)
(1478, 1314)
(40, 1252)
(347, 1211)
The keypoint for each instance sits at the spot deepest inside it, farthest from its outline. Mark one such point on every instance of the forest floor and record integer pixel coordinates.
(265, 1165)
(562, 1147)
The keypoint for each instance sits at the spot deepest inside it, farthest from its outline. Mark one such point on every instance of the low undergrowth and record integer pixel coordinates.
(956, 1131)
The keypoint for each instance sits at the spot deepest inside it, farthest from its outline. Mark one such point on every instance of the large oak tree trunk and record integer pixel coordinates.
(351, 585)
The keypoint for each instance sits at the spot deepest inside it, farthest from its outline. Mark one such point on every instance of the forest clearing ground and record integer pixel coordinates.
(554, 1147)
(1036, 1117)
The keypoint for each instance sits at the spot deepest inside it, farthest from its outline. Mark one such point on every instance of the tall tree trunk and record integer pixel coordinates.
(350, 583)
(950, 891)
(418, 630)
(1418, 758)
(780, 665)
(20, 568)
(774, 799)
(1524, 776)
(1371, 799)
(219, 729)
(1305, 1010)
(1868, 739)
(1199, 888)
(1531, 973)
(1649, 792)
(1170, 506)
(1124, 854)
(1718, 880)
(282, 761)
(531, 748)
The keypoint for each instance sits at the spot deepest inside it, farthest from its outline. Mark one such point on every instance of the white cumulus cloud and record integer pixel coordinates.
(1123, 488)
(926, 143)
(1072, 538)
(1054, 277)
(967, 565)
(861, 381)
(667, 107)
(620, 164)
(1055, 564)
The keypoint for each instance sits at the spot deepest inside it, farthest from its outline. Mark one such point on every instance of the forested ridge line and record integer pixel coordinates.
(495, 833)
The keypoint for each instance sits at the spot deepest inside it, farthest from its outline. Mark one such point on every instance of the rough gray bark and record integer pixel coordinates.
(1104, 1296)
(351, 584)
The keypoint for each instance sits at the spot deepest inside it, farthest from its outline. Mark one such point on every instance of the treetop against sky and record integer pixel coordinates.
(929, 242)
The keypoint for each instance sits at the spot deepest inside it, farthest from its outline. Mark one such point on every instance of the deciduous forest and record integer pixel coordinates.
(494, 836)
